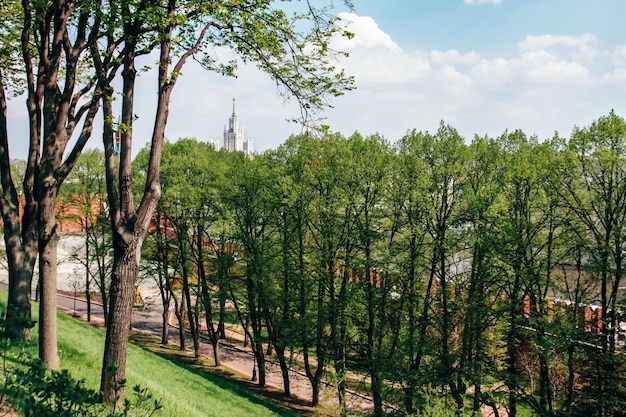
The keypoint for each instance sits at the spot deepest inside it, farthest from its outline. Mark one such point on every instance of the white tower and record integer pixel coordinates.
(234, 137)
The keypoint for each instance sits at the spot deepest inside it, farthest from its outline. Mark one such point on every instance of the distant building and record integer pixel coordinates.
(234, 139)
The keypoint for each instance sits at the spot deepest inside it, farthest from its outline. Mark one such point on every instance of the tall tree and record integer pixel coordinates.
(541, 283)
(54, 40)
(594, 189)
(283, 282)
(324, 303)
(445, 157)
(159, 260)
(257, 32)
(253, 206)
(431, 219)
(521, 229)
(480, 291)
(409, 196)
(191, 175)
(375, 273)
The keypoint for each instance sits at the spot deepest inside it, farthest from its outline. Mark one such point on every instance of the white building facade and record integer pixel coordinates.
(234, 139)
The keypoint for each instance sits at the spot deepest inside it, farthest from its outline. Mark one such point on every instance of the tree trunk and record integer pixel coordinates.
(512, 374)
(121, 296)
(48, 245)
(221, 328)
(214, 333)
(255, 299)
(314, 377)
(315, 387)
(18, 316)
(20, 242)
(21, 261)
(246, 332)
(167, 313)
(105, 300)
(192, 317)
(258, 354)
(20, 264)
(179, 312)
(412, 306)
(377, 386)
(545, 388)
(87, 278)
(217, 354)
(284, 370)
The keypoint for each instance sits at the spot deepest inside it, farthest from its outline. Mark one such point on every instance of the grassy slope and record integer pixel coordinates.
(183, 392)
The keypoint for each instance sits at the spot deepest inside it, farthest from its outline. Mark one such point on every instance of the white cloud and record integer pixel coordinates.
(545, 84)
(453, 81)
(479, 2)
(618, 57)
(556, 59)
(367, 34)
(454, 57)
(582, 46)
(375, 59)
(386, 67)
(493, 73)
(616, 77)
(544, 67)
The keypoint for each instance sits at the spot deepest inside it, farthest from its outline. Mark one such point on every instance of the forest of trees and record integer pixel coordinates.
(69, 60)
(438, 268)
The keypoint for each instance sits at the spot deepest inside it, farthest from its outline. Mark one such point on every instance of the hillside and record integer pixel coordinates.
(182, 390)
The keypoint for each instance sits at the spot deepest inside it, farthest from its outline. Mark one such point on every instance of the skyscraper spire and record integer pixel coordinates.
(234, 137)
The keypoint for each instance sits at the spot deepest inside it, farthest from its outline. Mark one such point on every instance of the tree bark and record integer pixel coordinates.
(192, 316)
(20, 245)
(179, 312)
(121, 298)
(21, 256)
(165, 330)
(21, 264)
(48, 246)
(284, 370)
(87, 276)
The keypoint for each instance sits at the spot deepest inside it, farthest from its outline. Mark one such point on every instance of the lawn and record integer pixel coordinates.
(183, 391)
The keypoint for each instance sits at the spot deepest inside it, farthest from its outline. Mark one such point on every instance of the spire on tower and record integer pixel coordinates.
(234, 139)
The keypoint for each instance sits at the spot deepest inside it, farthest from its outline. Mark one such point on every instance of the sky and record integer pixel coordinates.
(481, 66)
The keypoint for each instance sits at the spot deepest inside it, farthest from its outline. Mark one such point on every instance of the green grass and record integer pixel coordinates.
(184, 392)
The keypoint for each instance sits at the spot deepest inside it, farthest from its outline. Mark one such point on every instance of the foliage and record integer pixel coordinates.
(80, 347)
(38, 391)
(296, 56)
(435, 268)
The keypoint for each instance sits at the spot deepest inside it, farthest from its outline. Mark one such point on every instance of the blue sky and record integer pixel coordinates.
(536, 65)
(482, 66)
(446, 24)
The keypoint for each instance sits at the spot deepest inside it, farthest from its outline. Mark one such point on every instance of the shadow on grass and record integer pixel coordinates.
(232, 381)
